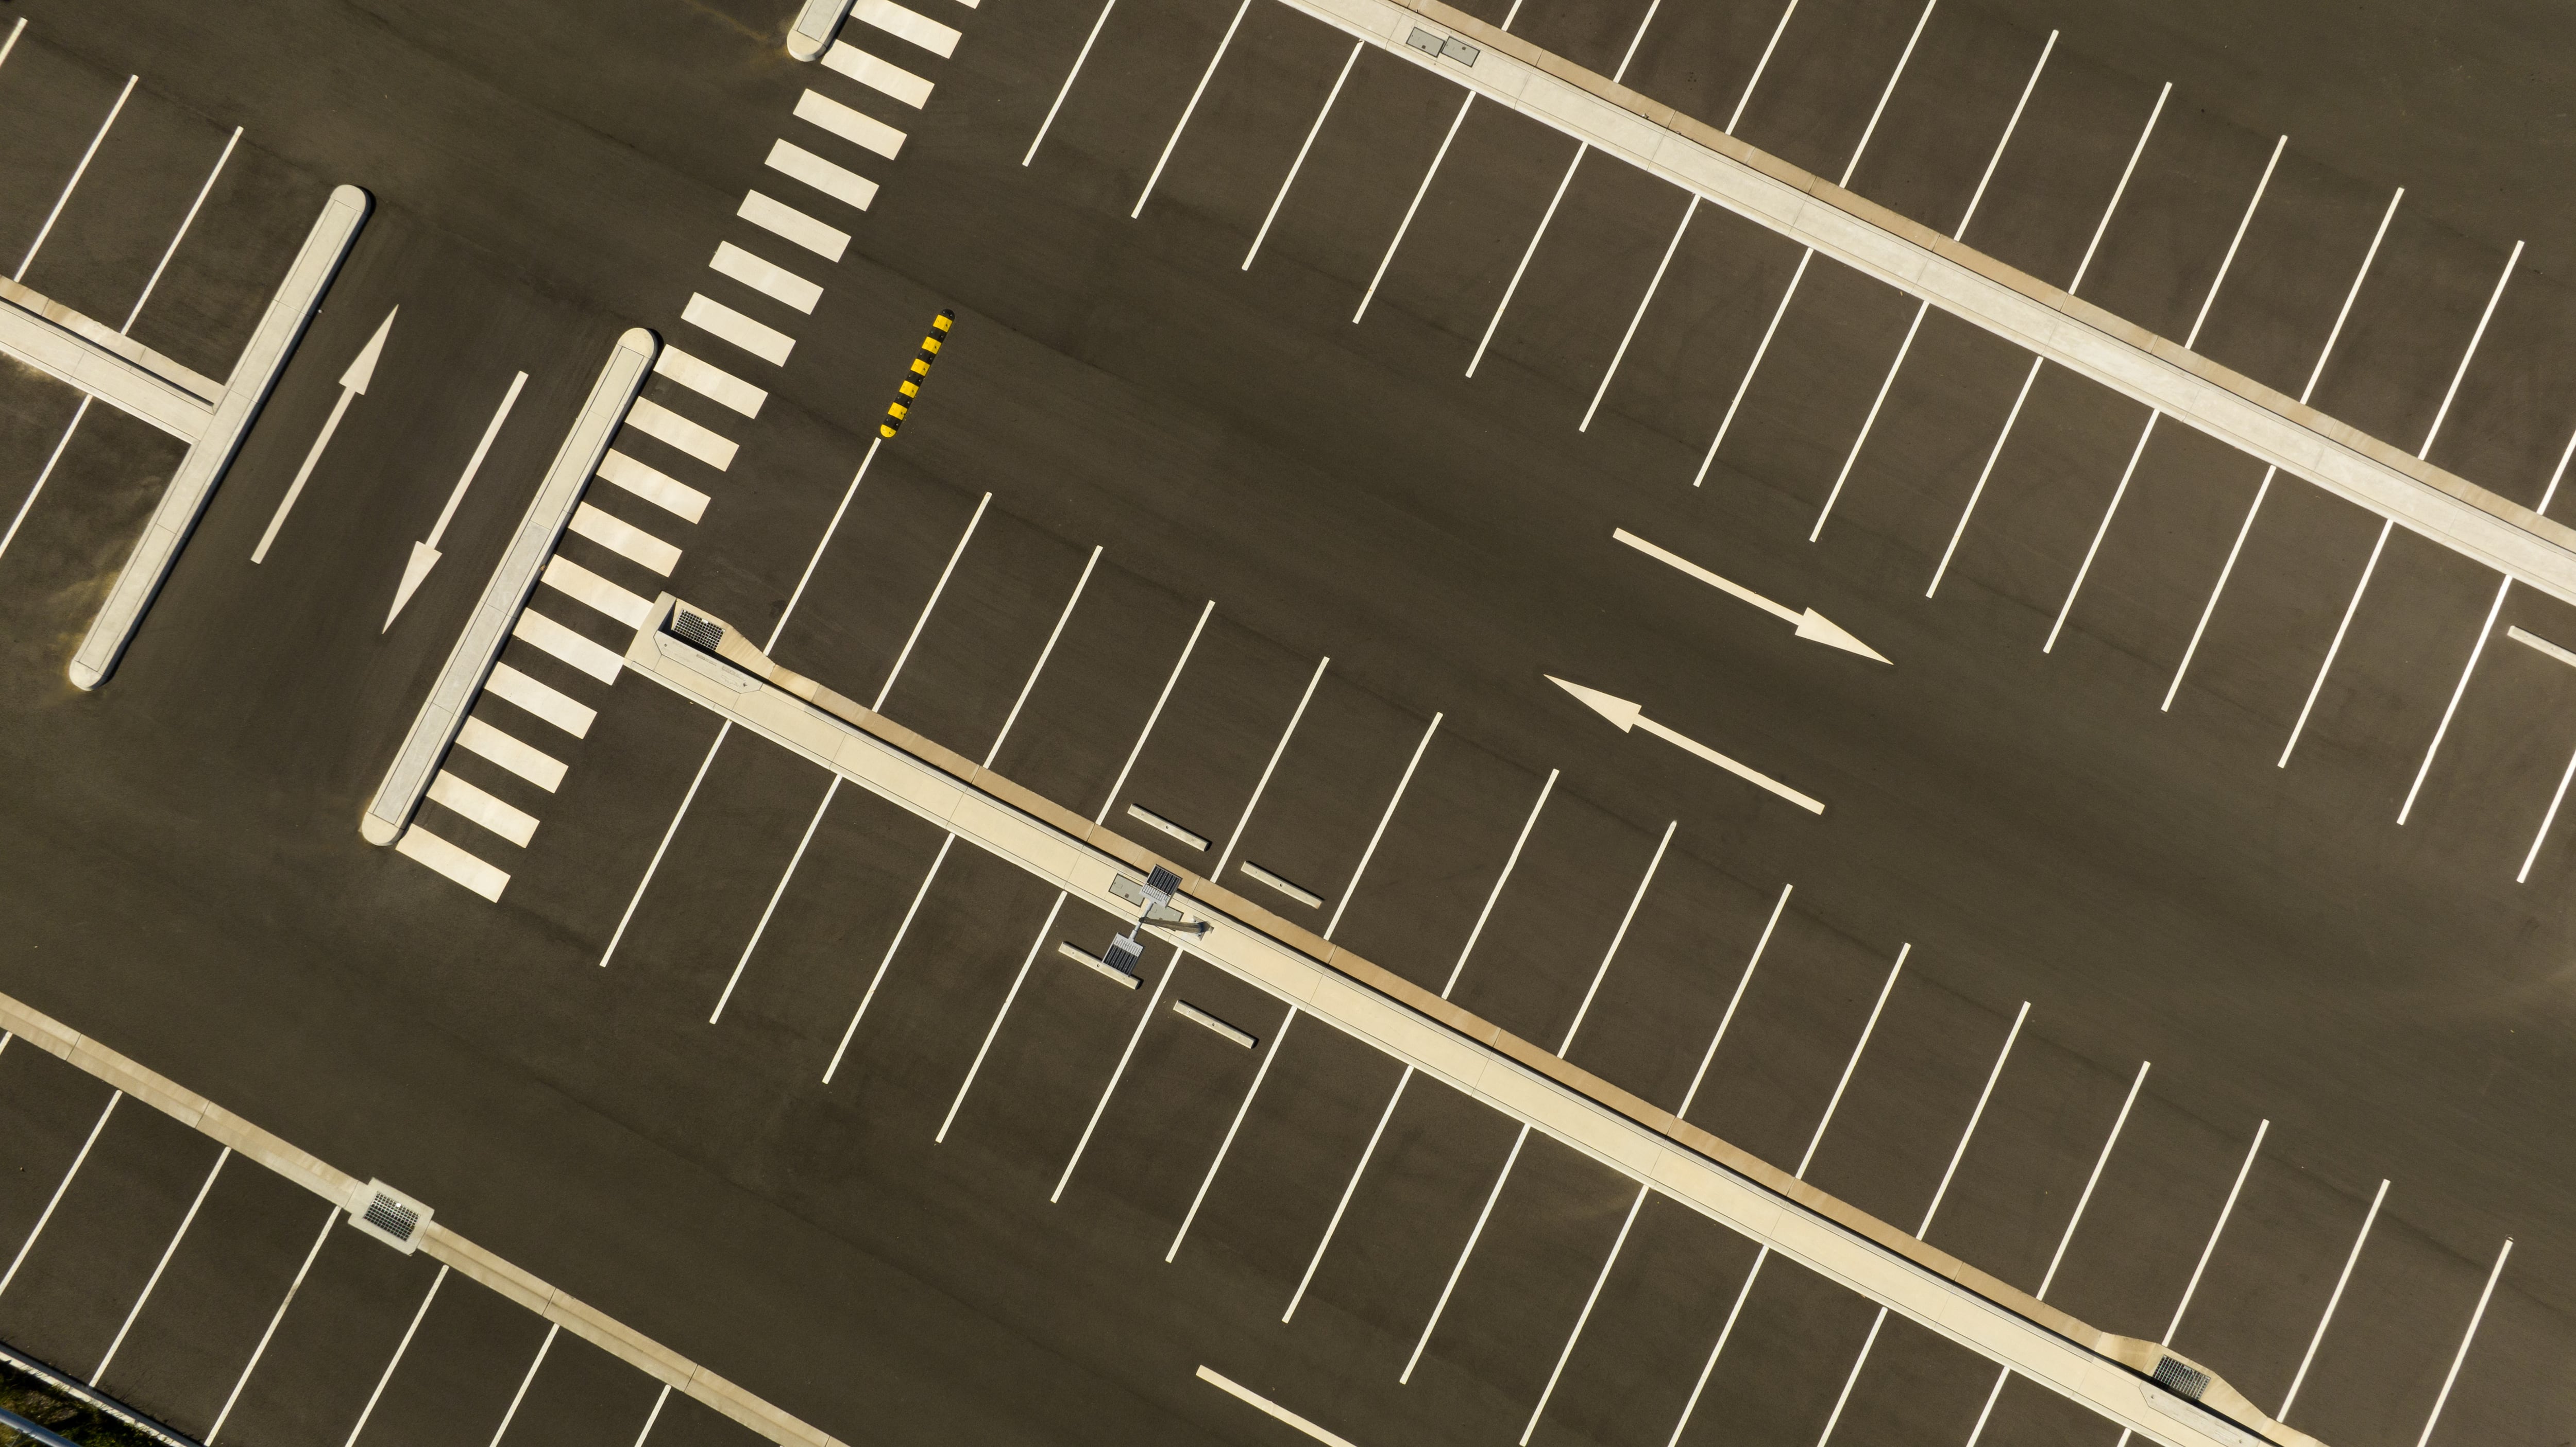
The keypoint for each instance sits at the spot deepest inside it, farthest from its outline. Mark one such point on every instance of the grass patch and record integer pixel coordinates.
(37, 1400)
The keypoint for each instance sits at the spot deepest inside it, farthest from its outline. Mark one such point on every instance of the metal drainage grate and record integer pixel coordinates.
(392, 1217)
(707, 633)
(1163, 882)
(388, 1215)
(2181, 1378)
(1124, 957)
(1442, 46)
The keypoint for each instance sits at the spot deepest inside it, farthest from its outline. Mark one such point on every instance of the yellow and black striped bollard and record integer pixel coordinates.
(910, 387)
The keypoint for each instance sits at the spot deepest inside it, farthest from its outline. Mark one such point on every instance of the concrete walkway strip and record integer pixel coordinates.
(437, 1241)
(2490, 530)
(212, 450)
(2111, 1375)
(94, 357)
(478, 647)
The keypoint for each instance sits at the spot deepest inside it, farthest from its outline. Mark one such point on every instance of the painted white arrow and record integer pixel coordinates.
(424, 555)
(1633, 716)
(353, 383)
(1811, 624)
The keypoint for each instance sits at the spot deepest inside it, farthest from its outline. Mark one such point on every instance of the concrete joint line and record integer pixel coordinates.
(2106, 1373)
(478, 647)
(212, 449)
(2488, 529)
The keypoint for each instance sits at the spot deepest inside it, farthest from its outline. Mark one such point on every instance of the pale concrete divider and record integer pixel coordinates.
(2112, 1375)
(437, 1240)
(94, 357)
(2274, 428)
(513, 578)
(254, 374)
(816, 23)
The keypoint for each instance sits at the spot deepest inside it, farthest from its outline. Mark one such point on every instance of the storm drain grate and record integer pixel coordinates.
(707, 633)
(388, 1215)
(2182, 1378)
(1163, 882)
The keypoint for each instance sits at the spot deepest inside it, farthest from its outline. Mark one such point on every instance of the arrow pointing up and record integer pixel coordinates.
(353, 383)
(1813, 626)
(425, 555)
(1629, 716)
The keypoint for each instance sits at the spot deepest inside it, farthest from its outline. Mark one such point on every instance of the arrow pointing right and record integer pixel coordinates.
(1813, 626)
(1630, 716)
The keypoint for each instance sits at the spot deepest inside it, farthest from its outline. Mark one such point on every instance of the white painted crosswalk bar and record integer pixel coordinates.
(547, 635)
(528, 762)
(710, 381)
(725, 324)
(780, 219)
(511, 823)
(625, 539)
(422, 847)
(911, 25)
(662, 424)
(769, 279)
(836, 181)
(653, 485)
(584, 586)
(882, 76)
(854, 126)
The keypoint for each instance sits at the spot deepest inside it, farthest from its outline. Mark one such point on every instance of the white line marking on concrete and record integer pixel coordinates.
(425, 554)
(1281, 883)
(1627, 715)
(624, 539)
(399, 1348)
(430, 851)
(854, 126)
(994, 1029)
(541, 699)
(1745, 383)
(775, 893)
(548, 636)
(1460, 1267)
(1726, 1330)
(1101, 1105)
(521, 1395)
(1156, 714)
(780, 219)
(181, 234)
(2452, 1376)
(2119, 190)
(2336, 1299)
(911, 25)
(1511, 862)
(923, 620)
(710, 381)
(1348, 1188)
(514, 824)
(650, 1417)
(1493, 323)
(1617, 937)
(2192, 337)
(162, 1265)
(478, 737)
(2546, 821)
(2202, 1265)
(59, 1187)
(1067, 88)
(1307, 145)
(1277, 1038)
(657, 421)
(2343, 626)
(725, 324)
(1262, 784)
(2101, 530)
(12, 42)
(1866, 1030)
(1386, 816)
(1031, 682)
(1741, 981)
(830, 530)
(1876, 111)
(1993, 454)
(1630, 335)
(1590, 1299)
(1413, 206)
(768, 278)
(662, 848)
(882, 76)
(1741, 101)
(47, 471)
(887, 960)
(353, 383)
(654, 486)
(1186, 111)
(836, 181)
(1810, 625)
(1977, 197)
(1254, 1399)
(77, 172)
(329, 1218)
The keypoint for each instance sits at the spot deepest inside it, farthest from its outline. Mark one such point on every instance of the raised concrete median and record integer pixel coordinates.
(220, 435)
(703, 659)
(817, 21)
(108, 365)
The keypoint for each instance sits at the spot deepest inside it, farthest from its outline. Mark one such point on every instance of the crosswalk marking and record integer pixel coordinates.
(625, 540)
(910, 25)
(534, 765)
(420, 845)
(727, 325)
(856, 127)
(584, 586)
(775, 282)
(654, 485)
(779, 218)
(710, 381)
(882, 76)
(541, 699)
(516, 825)
(838, 182)
(657, 421)
(547, 635)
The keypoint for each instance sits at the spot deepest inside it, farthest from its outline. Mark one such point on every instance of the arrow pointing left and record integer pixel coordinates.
(1629, 716)
(424, 555)
(353, 383)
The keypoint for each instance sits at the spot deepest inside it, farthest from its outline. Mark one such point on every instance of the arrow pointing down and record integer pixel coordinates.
(1630, 716)
(425, 555)
(1811, 625)
(353, 383)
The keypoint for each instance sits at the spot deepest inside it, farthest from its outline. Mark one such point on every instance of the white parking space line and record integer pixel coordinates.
(887, 960)
(424, 848)
(1115, 1075)
(1618, 937)
(1298, 164)
(2264, 489)
(654, 865)
(1186, 111)
(923, 620)
(990, 1031)
(662, 424)
(2362, 585)
(399, 1348)
(2297, 1379)
(1348, 1188)
(162, 1265)
(584, 586)
(654, 486)
(1590, 1299)
(330, 1217)
(778, 891)
(1262, 785)
(521, 1395)
(77, 172)
(1070, 76)
(854, 126)
(909, 25)
(782, 220)
(1044, 654)
(2191, 1287)
(1278, 1038)
(1156, 713)
(1495, 322)
(2546, 821)
(513, 824)
(1386, 816)
(548, 636)
(651, 1417)
(1464, 105)
(624, 539)
(185, 222)
(710, 381)
(478, 737)
(44, 473)
(1510, 862)
(1736, 118)
(59, 1187)
(1742, 981)
(727, 325)
(541, 699)
(1458, 1269)
(836, 181)
(882, 76)
(768, 278)
(1263, 1404)
(2452, 1377)
(12, 42)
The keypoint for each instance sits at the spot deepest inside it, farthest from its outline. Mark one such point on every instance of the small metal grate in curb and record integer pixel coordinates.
(388, 1215)
(1442, 47)
(2181, 1378)
(704, 632)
